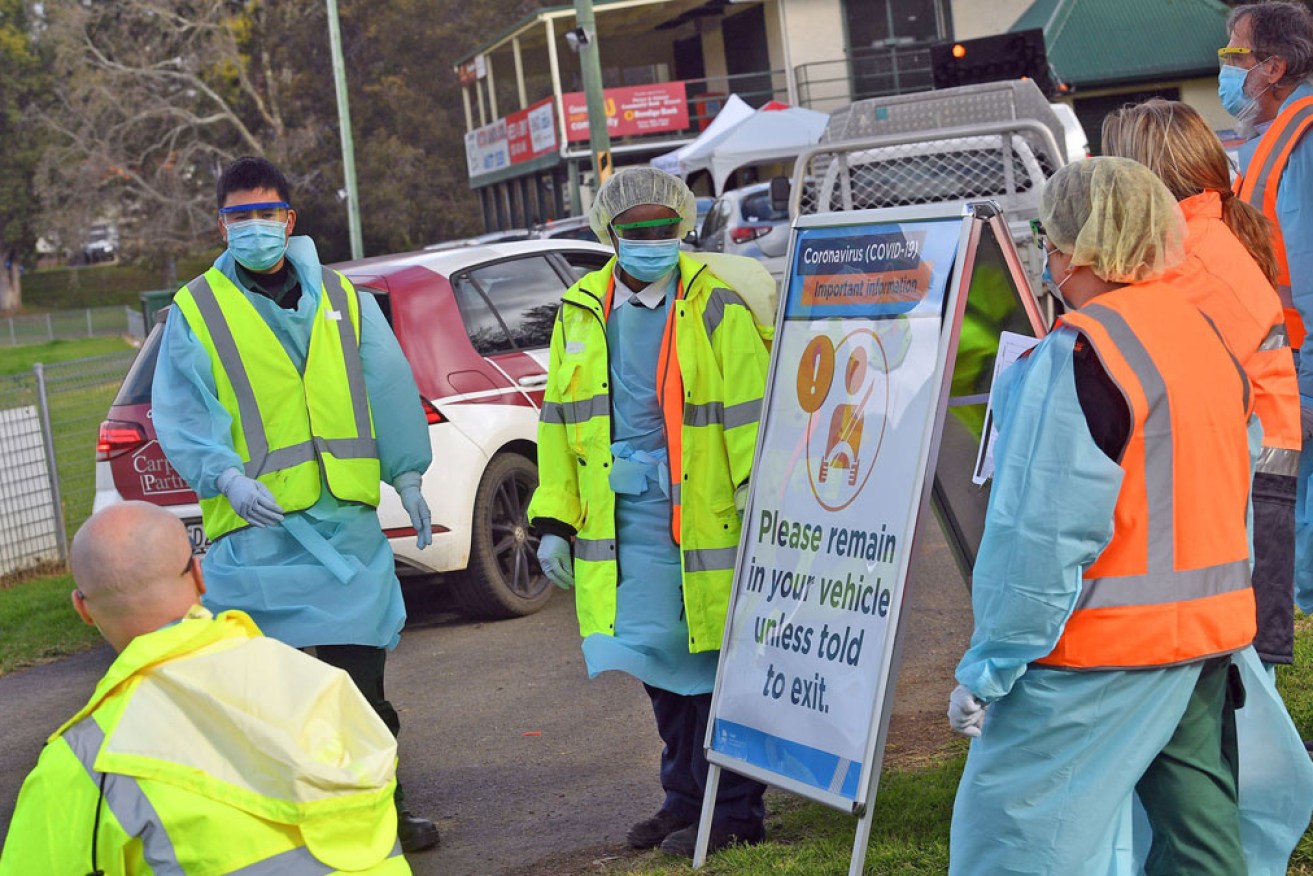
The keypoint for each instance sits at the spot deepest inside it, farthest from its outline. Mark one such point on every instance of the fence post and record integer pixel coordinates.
(90, 333)
(13, 342)
(50, 326)
(52, 469)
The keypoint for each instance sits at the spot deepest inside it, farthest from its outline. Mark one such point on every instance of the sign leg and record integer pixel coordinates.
(862, 839)
(708, 812)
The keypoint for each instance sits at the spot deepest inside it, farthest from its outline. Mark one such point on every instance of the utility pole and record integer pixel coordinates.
(590, 65)
(344, 124)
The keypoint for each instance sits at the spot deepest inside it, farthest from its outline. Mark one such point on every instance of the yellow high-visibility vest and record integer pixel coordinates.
(287, 426)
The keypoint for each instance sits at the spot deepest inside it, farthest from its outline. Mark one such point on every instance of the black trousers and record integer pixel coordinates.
(682, 723)
(1274, 566)
(365, 665)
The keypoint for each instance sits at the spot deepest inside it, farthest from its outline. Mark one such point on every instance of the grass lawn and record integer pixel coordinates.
(100, 285)
(14, 360)
(37, 623)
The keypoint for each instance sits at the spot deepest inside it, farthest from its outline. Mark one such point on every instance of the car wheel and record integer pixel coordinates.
(503, 578)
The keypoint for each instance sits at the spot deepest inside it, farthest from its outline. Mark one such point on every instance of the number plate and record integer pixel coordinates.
(196, 532)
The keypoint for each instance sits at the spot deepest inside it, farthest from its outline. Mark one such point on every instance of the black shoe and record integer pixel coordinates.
(682, 843)
(416, 834)
(648, 833)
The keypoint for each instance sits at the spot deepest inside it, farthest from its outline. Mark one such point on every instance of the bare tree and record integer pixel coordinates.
(152, 99)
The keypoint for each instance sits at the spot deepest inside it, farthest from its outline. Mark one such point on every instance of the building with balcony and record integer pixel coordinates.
(668, 66)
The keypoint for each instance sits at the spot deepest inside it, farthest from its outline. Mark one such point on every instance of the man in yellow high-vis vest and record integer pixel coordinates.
(645, 442)
(283, 399)
(158, 772)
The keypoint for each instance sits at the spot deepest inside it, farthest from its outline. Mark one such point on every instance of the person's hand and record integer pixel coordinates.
(413, 501)
(966, 714)
(250, 498)
(1306, 421)
(554, 557)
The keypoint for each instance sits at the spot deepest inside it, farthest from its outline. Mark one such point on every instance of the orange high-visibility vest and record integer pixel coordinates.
(1172, 586)
(1220, 278)
(1259, 185)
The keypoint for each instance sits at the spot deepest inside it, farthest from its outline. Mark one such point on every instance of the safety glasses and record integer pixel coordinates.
(649, 229)
(1236, 56)
(272, 211)
(1040, 236)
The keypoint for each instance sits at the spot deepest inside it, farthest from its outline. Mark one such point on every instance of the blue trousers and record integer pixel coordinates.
(682, 723)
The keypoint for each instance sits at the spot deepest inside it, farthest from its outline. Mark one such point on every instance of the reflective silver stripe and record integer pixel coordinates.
(1154, 589)
(576, 411)
(348, 448)
(355, 372)
(711, 413)
(1276, 339)
(743, 414)
(284, 458)
(1278, 461)
(1157, 433)
(1286, 295)
(715, 309)
(124, 797)
(710, 559)
(715, 413)
(596, 550)
(293, 862)
(675, 490)
(1263, 179)
(221, 335)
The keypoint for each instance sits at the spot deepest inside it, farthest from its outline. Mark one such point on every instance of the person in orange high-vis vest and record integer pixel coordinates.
(1228, 273)
(1112, 582)
(1264, 83)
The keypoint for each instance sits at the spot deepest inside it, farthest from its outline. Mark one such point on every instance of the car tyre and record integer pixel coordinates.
(503, 578)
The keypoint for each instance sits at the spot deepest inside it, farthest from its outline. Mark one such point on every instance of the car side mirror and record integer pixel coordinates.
(779, 194)
(691, 238)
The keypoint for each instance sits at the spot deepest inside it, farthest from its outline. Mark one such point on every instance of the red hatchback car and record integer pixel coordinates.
(475, 324)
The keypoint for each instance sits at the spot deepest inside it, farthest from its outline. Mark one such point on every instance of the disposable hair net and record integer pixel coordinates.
(1116, 216)
(632, 186)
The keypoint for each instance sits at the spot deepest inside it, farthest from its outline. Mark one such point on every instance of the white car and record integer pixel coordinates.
(475, 324)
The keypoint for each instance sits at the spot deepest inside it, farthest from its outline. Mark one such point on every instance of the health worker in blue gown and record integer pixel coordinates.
(645, 441)
(1112, 583)
(283, 399)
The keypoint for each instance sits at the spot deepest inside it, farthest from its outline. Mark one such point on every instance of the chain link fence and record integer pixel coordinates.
(49, 423)
(67, 325)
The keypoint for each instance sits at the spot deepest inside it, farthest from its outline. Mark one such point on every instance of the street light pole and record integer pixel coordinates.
(344, 124)
(590, 64)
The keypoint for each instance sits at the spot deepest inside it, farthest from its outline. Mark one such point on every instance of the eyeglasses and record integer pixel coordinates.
(273, 211)
(1233, 56)
(1040, 236)
(650, 229)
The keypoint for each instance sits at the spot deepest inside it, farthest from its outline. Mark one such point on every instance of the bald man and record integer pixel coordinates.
(192, 756)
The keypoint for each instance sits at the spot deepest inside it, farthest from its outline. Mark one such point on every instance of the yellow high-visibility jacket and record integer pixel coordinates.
(209, 748)
(287, 425)
(711, 379)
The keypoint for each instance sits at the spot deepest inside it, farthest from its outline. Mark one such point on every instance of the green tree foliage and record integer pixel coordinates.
(23, 81)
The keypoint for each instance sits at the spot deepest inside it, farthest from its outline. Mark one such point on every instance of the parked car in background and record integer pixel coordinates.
(744, 222)
(570, 228)
(102, 243)
(1078, 144)
(505, 236)
(475, 324)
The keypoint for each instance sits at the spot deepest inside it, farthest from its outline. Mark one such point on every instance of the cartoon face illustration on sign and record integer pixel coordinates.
(847, 416)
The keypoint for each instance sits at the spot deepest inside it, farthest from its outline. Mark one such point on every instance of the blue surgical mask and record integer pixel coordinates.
(648, 260)
(1054, 286)
(257, 244)
(1231, 89)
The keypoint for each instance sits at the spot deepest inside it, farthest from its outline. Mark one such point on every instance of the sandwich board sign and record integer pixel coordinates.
(869, 360)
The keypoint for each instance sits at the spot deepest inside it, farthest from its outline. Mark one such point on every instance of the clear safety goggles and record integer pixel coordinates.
(1237, 56)
(650, 229)
(272, 211)
(1040, 237)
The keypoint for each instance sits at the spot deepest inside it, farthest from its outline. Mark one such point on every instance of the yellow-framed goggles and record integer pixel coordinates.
(1233, 56)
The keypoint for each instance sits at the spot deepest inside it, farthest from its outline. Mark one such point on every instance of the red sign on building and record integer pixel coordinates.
(531, 132)
(638, 109)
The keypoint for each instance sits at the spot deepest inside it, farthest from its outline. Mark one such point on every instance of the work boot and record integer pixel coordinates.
(682, 843)
(648, 833)
(416, 834)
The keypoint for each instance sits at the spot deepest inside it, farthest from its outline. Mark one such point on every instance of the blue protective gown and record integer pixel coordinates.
(651, 632)
(1295, 215)
(270, 573)
(1048, 780)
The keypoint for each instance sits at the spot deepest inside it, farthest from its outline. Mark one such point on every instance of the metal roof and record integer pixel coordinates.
(1113, 42)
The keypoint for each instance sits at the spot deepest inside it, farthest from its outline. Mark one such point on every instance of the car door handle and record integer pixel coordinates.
(533, 381)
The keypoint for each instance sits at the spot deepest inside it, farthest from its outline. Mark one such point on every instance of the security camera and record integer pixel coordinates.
(576, 39)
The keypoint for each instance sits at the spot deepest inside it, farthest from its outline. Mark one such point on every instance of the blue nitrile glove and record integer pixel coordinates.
(407, 485)
(250, 498)
(554, 557)
(966, 714)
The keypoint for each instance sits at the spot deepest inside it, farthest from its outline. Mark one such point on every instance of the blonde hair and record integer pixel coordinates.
(1174, 141)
